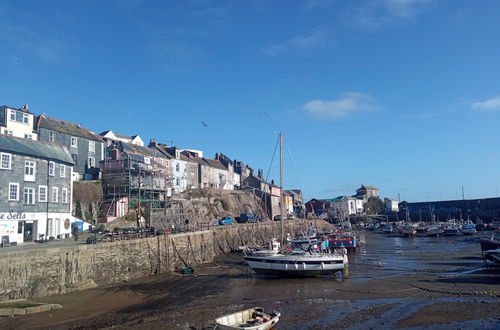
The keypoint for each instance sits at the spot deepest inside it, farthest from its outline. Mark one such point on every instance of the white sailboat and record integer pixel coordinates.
(296, 263)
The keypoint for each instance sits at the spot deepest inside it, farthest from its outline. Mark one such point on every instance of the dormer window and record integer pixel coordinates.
(52, 136)
(19, 116)
(177, 154)
(74, 142)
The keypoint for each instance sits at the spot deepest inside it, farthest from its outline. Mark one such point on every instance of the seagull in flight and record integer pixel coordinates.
(204, 124)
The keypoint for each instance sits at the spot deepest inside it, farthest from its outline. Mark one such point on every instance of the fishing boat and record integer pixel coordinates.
(387, 229)
(343, 240)
(252, 319)
(296, 261)
(434, 230)
(407, 230)
(451, 228)
(421, 228)
(469, 228)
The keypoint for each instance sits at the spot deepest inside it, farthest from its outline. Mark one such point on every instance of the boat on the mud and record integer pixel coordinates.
(253, 319)
(407, 230)
(387, 229)
(434, 230)
(451, 228)
(343, 240)
(469, 228)
(272, 247)
(298, 263)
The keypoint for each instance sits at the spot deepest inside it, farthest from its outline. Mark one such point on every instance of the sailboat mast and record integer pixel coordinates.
(281, 190)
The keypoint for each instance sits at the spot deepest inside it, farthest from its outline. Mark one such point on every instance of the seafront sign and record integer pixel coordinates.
(12, 216)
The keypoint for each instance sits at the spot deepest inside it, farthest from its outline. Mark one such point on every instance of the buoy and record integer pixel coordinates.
(346, 266)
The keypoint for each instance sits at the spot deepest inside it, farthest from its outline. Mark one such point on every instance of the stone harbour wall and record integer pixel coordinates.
(58, 270)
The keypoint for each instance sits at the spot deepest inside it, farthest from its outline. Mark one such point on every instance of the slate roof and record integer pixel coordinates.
(39, 149)
(363, 187)
(214, 163)
(67, 127)
(22, 109)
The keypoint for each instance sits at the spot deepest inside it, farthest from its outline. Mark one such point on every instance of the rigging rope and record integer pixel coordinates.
(274, 154)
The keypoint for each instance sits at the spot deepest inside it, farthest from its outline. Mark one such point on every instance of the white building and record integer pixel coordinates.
(391, 205)
(134, 139)
(17, 122)
(344, 206)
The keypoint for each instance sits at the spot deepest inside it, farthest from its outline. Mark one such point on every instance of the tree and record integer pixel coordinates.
(374, 206)
(87, 198)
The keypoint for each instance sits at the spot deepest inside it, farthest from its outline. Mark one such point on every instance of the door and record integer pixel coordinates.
(28, 232)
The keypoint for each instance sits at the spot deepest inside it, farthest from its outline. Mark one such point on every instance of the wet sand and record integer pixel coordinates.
(395, 282)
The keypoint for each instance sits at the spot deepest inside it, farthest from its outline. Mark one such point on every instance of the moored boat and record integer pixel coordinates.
(298, 263)
(469, 228)
(451, 228)
(434, 230)
(407, 230)
(252, 318)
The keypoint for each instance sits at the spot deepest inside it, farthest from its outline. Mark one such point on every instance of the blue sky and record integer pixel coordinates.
(403, 95)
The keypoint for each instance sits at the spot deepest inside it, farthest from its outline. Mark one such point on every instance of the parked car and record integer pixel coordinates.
(226, 221)
(247, 217)
(290, 217)
(277, 217)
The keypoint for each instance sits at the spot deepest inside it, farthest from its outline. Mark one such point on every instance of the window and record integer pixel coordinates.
(55, 193)
(91, 146)
(177, 167)
(5, 161)
(29, 170)
(19, 116)
(91, 162)
(52, 168)
(42, 194)
(52, 136)
(177, 181)
(29, 196)
(64, 195)
(74, 142)
(13, 191)
(28, 136)
(62, 171)
(147, 160)
(9, 132)
(75, 157)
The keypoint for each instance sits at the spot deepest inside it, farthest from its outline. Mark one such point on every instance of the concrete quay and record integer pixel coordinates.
(59, 269)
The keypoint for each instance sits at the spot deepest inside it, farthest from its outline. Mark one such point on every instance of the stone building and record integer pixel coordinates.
(35, 190)
(85, 147)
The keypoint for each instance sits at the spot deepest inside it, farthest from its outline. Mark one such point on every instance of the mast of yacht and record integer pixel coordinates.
(282, 197)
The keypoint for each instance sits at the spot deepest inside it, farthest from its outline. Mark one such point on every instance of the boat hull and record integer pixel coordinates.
(295, 267)
(237, 320)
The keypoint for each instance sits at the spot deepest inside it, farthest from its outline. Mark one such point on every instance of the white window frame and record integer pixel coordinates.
(26, 118)
(2, 154)
(52, 169)
(54, 195)
(17, 191)
(30, 177)
(52, 136)
(91, 146)
(29, 190)
(64, 195)
(91, 162)
(13, 114)
(62, 170)
(28, 136)
(177, 167)
(40, 199)
(74, 142)
(9, 132)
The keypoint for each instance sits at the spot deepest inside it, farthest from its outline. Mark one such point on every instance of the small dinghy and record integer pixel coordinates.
(252, 319)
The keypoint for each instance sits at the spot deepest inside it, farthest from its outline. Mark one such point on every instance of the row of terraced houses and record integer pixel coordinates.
(41, 157)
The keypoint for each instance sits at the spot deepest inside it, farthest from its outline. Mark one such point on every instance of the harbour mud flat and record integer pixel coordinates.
(394, 282)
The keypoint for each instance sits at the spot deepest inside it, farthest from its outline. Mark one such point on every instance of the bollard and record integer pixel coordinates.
(346, 267)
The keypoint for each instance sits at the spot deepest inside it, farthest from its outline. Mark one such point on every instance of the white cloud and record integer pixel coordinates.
(348, 104)
(488, 105)
(317, 38)
(376, 13)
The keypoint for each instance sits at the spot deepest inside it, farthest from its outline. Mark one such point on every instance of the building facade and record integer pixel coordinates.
(85, 147)
(36, 190)
(17, 122)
